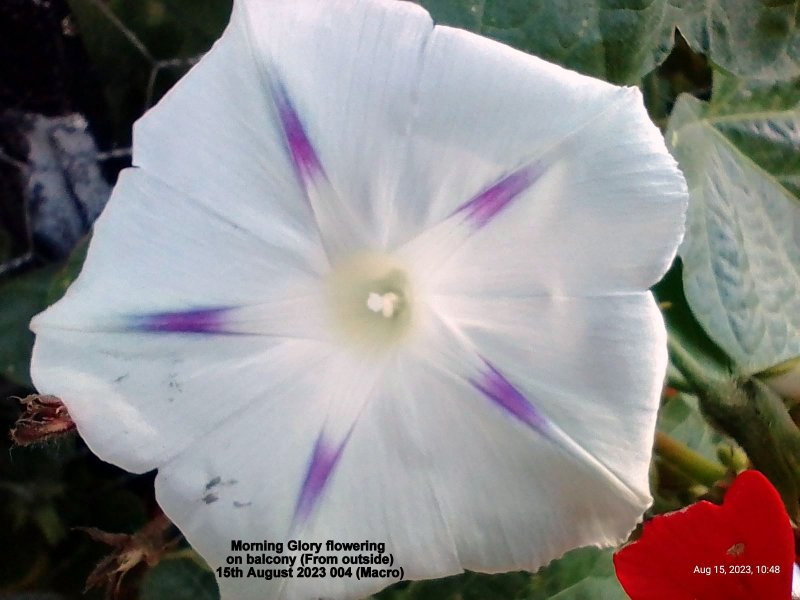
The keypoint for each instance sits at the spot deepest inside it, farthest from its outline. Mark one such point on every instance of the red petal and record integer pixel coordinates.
(710, 552)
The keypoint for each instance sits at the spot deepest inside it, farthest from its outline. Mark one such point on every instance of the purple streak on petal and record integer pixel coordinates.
(323, 460)
(208, 320)
(501, 391)
(483, 207)
(304, 157)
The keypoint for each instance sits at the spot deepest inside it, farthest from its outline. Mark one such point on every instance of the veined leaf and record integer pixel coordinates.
(741, 253)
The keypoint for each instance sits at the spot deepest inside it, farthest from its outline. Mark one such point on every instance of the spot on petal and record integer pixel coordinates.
(304, 157)
(502, 392)
(736, 550)
(209, 320)
(323, 461)
(486, 205)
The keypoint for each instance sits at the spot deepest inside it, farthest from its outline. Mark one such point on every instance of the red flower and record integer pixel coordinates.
(742, 550)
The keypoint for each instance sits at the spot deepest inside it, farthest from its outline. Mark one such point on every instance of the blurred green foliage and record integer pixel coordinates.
(21, 298)
(178, 579)
(140, 49)
(623, 40)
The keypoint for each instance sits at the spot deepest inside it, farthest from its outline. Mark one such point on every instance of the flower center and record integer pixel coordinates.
(385, 304)
(371, 299)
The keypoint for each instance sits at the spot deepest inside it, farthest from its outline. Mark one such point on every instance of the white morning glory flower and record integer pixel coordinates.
(378, 280)
(795, 582)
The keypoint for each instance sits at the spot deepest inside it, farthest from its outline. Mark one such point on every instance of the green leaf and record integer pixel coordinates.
(178, 579)
(749, 38)
(582, 574)
(741, 255)
(682, 323)
(622, 40)
(734, 94)
(20, 299)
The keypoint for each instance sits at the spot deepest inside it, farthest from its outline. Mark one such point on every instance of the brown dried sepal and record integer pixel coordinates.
(144, 548)
(44, 417)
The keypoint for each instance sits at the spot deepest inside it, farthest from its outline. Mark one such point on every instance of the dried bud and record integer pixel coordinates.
(45, 417)
(146, 547)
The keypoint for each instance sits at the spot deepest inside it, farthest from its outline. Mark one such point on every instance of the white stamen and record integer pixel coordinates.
(375, 302)
(384, 304)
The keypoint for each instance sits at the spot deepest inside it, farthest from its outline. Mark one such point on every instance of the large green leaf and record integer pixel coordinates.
(682, 324)
(741, 254)
(750, 38)
(737, 95)
(621, 40)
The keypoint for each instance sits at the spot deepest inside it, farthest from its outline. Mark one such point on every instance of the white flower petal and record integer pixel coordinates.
(217, 138)
(149, 348)
(350, 70)
(512, 488)
(156, 250)
(139, 399)
(447, 449)
(396, 149)
(558, 183)
(594, 366)
(373, 492)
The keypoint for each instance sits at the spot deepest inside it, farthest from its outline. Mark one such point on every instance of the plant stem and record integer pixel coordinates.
(703, 376)
(689, 462)
(678, 382)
